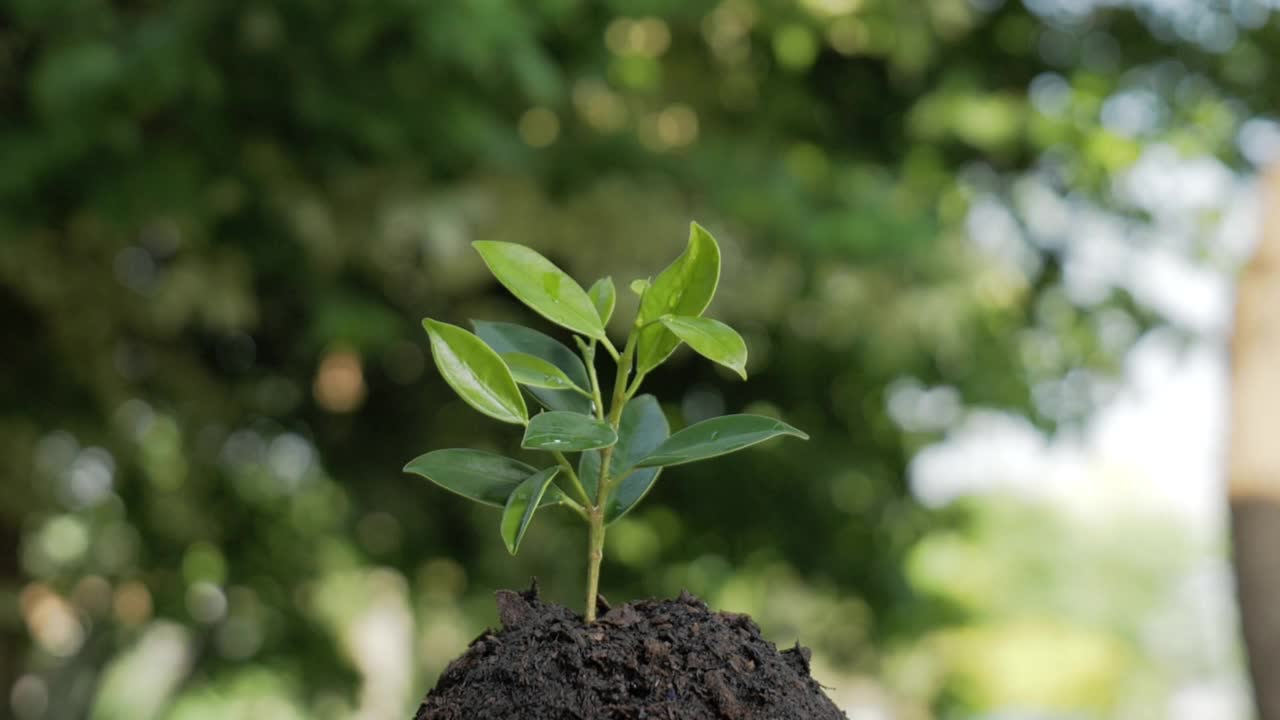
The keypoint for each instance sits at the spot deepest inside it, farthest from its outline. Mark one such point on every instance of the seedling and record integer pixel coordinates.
(623, 446)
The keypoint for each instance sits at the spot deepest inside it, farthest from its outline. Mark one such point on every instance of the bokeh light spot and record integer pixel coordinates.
(206, 602)
(795, 47)
(539, 127)
(51, 620)
(92, 595)
(379, 532)
(204, 562)
(29, 698)
(848, 35)
(132, 603)
(64, 539)
(339, 383)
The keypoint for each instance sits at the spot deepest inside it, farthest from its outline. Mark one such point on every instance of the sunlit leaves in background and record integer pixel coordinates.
(218, 218)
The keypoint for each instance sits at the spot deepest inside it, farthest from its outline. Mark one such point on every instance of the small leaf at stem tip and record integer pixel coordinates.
(476, 373)
(685, 288)
(545, 288)
(521, 506)
(567, 432)
(604, 296)
(480, 476)
(638, 286)
(533, 371)
(717, 436)
(711, 339)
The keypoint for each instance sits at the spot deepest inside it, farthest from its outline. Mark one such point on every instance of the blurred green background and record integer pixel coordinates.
(964, 240)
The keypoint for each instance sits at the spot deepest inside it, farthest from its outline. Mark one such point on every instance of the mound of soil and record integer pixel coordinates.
(649, 660)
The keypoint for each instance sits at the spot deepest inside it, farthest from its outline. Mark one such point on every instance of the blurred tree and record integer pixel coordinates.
(1253, 465)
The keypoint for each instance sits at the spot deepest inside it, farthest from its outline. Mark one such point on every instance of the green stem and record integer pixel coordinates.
(589, 358)
(615, 416)
(595, 554)
(596, 398)
(613, 351)
(595, 519)
(577, 509)
(575, 481)
(635, 385)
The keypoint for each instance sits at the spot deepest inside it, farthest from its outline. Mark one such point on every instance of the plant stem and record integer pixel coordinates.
(577, 509)
(613, 351)
(615, 416)
(595, 386)
(635, 385)
(595, 519)
(595, 554)
(589, 359)
(575, 481)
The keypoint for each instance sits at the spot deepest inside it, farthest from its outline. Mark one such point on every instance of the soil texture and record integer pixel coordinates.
(648, 660)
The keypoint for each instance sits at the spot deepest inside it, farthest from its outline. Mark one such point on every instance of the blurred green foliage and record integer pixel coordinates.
(220, 224)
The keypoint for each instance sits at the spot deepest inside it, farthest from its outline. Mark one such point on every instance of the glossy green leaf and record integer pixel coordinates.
(712, 340)
(522, 504)
(717, 436)
(545, 288)
(685, 288)
(639, 286)
(533, 371)
(567, 432)
(604, 296)
(480, 476)
(642, 429)
(476, 373)
(510, 338)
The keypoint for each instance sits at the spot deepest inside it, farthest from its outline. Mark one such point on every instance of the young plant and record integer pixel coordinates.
(623, 445)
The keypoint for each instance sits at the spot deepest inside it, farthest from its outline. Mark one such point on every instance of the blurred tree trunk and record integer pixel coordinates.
(1253, 461)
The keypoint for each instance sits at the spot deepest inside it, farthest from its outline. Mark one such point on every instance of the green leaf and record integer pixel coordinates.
(510, 338)
(538, 283)
(522, 504)
(480, 476)
(711, 339)
(533, 371)
(717, 436)
(604, 296)
(684, 288)
(642, 429)
(639, 286)
(567, 432)
(476, 373)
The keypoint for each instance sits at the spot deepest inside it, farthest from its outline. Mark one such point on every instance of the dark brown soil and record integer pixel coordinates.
(650, 660)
